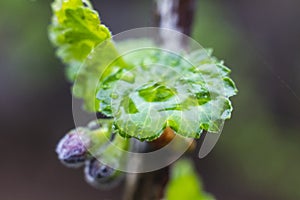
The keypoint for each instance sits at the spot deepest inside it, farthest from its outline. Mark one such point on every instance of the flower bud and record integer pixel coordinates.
(71, 149)
(99, 175)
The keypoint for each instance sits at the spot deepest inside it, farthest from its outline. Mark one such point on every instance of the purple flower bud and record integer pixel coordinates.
(71, 149)
(99, 175)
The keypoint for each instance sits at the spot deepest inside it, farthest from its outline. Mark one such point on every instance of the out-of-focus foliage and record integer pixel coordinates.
(261, 153)
(24, 58)
(76, 29)
(185, 183)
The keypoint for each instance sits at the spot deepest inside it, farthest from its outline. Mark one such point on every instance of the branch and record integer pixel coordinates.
(176, 15)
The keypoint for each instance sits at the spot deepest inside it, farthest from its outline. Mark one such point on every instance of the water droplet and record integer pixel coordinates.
(114, 95)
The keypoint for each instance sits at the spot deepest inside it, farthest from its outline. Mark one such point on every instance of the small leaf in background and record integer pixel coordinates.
(75, 30)
(185, 183)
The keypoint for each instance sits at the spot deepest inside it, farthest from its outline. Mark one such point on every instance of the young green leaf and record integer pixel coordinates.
(144, 91)
(101, 62)
(189, 93)
(75, 30)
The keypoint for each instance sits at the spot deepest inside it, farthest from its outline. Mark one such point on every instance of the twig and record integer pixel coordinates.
(176, 15)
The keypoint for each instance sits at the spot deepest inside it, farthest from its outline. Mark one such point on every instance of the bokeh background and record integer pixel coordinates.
(257, 156)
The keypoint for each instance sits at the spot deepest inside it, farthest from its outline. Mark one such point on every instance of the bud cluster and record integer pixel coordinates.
(79, 147)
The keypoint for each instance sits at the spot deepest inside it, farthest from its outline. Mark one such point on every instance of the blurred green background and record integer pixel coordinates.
(257, 156)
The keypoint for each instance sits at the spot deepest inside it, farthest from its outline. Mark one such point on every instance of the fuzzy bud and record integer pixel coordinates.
(71, 149)
(99, 175)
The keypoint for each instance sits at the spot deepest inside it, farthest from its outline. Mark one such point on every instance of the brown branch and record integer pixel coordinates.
(149, 186)
(177, 15)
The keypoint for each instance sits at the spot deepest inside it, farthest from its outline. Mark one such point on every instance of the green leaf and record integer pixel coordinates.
(102, 61)
(98, 134)
(115, 153)
(189, 93)
(184, 183)
(146, 90)
(75, 30)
